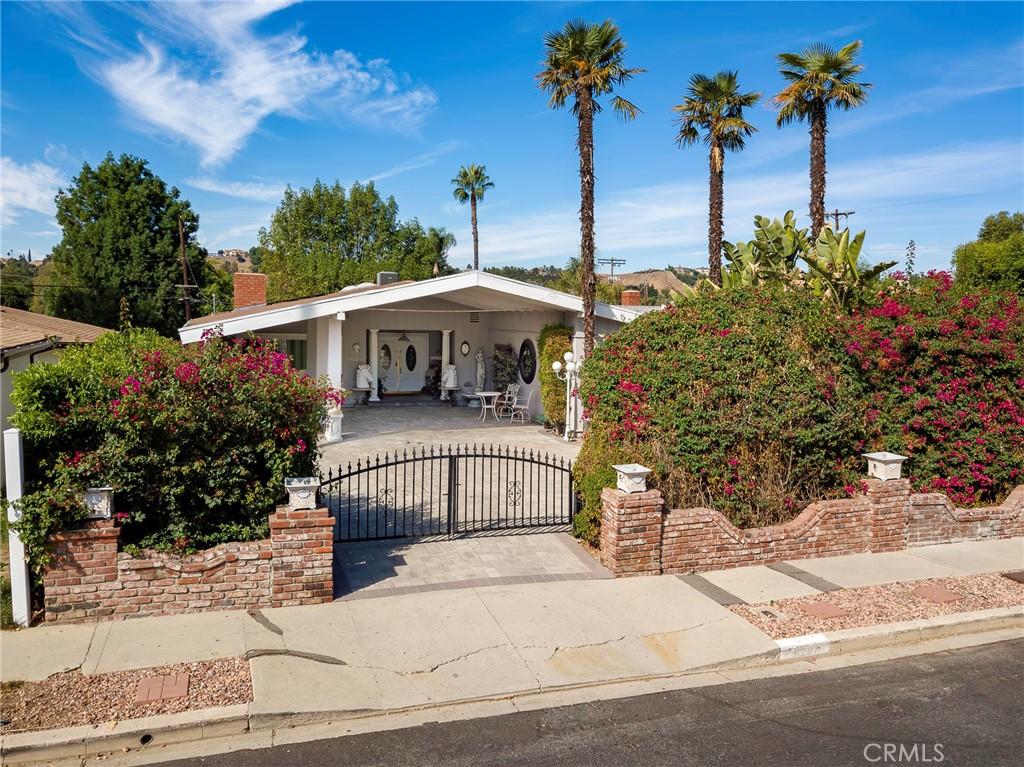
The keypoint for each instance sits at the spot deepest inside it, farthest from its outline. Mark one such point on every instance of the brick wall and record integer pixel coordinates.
(90, 580)
(631, 532)
(250, 289)
(638, 537)
(933, 519)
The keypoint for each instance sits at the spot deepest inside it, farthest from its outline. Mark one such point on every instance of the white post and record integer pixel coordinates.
(19, 565)
(374, 362)
(334, 352)
(446, 337)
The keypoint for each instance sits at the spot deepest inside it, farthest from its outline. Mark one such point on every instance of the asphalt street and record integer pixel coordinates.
(957, 708)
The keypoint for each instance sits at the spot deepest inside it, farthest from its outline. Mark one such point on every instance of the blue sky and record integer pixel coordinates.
(230, 102)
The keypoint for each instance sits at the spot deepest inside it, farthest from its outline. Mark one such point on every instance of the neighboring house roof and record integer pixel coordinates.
(22, 330)
(472, 290)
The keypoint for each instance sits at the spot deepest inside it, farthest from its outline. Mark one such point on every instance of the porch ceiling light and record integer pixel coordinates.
(403, 337)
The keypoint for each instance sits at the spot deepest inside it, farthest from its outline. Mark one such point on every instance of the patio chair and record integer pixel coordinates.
(508, 400)
(521, 410)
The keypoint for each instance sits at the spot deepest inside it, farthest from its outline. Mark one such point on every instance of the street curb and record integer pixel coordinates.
(228, 721)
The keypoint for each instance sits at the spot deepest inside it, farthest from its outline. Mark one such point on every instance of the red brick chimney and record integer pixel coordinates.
(630, 297)
(250, 289)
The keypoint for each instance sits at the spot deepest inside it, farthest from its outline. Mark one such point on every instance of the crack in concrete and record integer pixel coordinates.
(638, 637)
(316, 657)
(265, 622)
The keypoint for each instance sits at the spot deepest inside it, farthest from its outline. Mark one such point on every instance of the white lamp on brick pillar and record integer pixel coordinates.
(884, 465)
(631, 477)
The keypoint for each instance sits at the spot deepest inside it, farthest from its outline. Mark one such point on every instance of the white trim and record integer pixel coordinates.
(387, 295)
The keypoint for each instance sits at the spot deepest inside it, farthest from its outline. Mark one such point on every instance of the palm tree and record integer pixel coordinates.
(820, 78)
(582, 62)
(470, 185)
(715, 105)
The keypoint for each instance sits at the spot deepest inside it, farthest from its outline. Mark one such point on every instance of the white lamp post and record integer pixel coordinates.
(570, 373)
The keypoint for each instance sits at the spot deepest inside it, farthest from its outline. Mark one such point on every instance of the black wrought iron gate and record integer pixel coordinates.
(447, 491)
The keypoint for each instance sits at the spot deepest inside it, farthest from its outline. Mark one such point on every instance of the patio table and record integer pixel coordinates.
(488, 400)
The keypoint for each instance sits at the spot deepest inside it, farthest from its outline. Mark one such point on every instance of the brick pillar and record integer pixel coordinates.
(890, 511)
(84, 567)
(631, 532)
(302, 554)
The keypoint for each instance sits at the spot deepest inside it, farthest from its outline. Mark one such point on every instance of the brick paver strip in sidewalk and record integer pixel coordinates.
(711, 590)
(823, 610)
(163, 687)
(1016, 575)
(936, 594)
(799, 574)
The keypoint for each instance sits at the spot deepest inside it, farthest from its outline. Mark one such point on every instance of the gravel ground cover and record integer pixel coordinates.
(71, 698)
(889, 603)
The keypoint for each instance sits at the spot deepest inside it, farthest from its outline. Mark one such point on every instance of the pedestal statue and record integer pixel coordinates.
(481, 371)
(364, 378)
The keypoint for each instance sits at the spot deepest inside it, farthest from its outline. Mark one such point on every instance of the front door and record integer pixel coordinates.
(403, 361)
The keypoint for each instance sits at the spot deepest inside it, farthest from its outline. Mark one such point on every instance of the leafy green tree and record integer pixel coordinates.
(819, 79)
(584, 61)
(16, 278)
(471, 183)
(121, 240)
(712, 112)
(996, 259)
(324, 238)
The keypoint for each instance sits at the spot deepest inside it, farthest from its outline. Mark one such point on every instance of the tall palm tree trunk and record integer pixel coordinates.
(818, 130)
(715, 212)
(476, 237)
(585, 144)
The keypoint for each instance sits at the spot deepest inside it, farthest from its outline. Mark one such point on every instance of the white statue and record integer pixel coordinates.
(481, 370)
(450, 377)
(364, 378)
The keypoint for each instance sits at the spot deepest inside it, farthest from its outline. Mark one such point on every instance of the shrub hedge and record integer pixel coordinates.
(553, 342)
(195, 440)
(756, 402)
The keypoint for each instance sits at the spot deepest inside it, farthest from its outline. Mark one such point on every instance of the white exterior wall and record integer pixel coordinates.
(15, 365)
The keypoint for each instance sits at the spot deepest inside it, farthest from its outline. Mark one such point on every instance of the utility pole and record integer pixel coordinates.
(612, 263)
(184, 269)
(836, 214)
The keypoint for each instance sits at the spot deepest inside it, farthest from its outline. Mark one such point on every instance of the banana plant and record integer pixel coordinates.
(832, 270)
(770, 257)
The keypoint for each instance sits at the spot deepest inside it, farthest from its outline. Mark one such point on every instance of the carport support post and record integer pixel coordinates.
(374, 352)
(19, 565)
(446, 340)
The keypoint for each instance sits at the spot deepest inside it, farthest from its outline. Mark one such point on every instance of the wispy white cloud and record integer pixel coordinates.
(669, 221)
(28, 187)
(419, 161)
(247, 190)
(234, 77)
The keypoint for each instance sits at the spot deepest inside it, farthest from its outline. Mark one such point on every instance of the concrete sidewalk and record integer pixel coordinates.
(476, 643)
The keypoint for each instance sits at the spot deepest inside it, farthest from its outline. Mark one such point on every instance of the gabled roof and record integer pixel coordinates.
(472, 290)
(20, 329)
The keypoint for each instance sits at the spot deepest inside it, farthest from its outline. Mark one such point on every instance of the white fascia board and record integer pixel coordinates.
(387, 295)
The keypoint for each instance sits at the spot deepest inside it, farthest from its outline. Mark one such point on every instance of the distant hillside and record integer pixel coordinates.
(672, 279)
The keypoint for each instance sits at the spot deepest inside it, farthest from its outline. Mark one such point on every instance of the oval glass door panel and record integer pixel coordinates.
(410, 357)
(385, 357)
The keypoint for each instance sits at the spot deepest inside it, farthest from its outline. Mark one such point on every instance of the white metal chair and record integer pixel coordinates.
(521, 410)
(508, 400)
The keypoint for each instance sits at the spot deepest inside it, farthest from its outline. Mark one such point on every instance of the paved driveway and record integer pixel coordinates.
(387, 568)
(387, 428)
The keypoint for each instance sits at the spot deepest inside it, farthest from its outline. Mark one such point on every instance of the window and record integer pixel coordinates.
(296, 350)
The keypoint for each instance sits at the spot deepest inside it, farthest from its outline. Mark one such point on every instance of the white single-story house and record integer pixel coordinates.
(28, 338)
(407, 333)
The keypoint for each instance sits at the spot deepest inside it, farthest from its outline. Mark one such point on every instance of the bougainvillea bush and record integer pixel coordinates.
(195, 440)
(756, 402)
(944, 376)
(739, 400)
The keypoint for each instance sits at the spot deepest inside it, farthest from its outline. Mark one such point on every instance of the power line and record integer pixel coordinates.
(836, 214)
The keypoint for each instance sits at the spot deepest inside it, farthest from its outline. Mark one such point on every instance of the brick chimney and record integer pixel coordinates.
(250, 289)
(630, 297)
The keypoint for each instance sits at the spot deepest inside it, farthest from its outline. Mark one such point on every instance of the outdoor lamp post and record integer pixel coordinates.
(570, 373)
